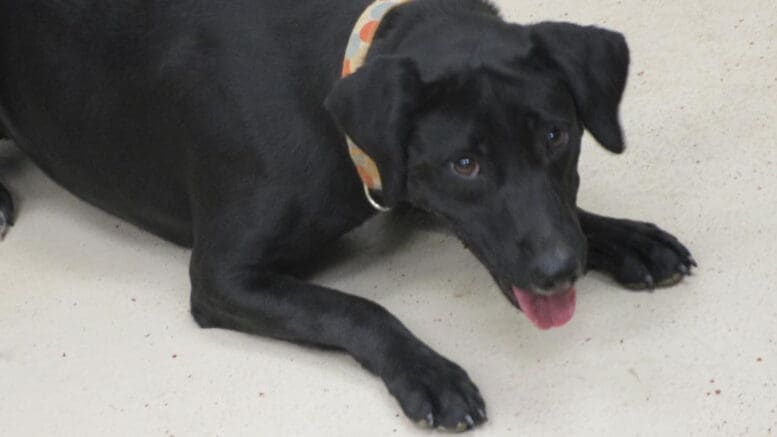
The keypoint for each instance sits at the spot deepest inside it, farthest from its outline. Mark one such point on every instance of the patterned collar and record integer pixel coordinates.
(355, 55)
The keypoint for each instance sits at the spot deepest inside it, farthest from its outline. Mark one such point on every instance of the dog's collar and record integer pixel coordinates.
(355, 55)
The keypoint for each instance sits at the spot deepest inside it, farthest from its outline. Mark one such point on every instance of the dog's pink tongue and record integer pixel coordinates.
(547, 312)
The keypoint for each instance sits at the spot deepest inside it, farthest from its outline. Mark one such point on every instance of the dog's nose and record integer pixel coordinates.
(556, 268)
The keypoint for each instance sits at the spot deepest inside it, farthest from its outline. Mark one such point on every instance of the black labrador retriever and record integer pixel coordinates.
(222, 126)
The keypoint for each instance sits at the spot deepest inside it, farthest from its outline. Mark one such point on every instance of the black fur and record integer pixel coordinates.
(205, 123)
(6, 211)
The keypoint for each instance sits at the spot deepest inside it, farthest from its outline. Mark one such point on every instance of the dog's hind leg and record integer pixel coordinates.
(638, 255)
(6, 201)
(6, 211)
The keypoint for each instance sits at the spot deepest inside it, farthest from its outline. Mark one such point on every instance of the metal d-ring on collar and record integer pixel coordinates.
(374, 202)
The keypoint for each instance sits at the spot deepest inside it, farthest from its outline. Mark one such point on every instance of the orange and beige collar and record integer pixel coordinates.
(355, 55)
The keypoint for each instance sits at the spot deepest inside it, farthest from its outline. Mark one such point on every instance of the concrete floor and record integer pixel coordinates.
(96, 338)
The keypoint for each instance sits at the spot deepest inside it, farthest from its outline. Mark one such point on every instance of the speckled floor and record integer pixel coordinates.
(96, 339)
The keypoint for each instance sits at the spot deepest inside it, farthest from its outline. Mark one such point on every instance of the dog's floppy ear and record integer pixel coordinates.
(595, 64)
(374, 107)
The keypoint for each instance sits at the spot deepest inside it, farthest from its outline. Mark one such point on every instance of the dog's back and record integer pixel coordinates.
(114, 100)
(76, 97)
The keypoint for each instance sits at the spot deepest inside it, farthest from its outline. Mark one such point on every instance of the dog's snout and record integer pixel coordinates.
(556, 268)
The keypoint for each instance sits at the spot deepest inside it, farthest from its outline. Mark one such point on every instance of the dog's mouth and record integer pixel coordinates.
(547, 311)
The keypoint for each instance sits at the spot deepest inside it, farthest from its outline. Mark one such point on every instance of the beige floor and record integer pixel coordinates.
(95, 337)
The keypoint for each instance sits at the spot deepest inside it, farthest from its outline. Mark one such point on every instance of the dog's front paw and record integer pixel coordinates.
(639, 255)
(434, 392)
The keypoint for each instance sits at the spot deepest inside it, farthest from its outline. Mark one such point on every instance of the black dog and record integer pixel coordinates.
(221, 125)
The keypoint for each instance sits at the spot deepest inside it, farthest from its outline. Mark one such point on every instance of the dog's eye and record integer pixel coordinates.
(466, 167)
(556, 138)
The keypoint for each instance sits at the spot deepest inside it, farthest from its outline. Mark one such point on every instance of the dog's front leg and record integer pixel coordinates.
(236, 291)
(638, 255)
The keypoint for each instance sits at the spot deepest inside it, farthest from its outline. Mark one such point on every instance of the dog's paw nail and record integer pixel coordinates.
(650, 283)
(684, 269)
(482, 414)
(692, 261)
(674, 279)
(461, 427)
(427, 422)
(470, 420)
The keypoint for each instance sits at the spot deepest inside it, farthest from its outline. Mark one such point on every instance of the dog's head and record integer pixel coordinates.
(480, 122)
